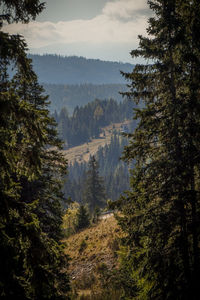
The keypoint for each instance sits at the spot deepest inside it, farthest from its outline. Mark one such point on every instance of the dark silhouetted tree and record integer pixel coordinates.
(94, 191)
(32, 259)
(162, 210)
(83, 220)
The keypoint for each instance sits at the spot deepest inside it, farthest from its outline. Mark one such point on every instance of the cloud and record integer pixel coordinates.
(119, 22)
(126, 9)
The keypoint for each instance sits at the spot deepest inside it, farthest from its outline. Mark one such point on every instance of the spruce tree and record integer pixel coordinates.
(32, 258)
(82, 218)
(94, 191)
(161, 211)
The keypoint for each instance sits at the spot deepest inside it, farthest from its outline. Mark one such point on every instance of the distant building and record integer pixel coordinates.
(106, 215)
(124, 128)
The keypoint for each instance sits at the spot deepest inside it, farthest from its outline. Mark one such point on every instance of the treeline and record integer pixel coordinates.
(77, 70)
(70, 96)
(86, 122)
(114, 172)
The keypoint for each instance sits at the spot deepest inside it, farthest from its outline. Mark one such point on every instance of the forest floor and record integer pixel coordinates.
(101, 243)
(83, 152)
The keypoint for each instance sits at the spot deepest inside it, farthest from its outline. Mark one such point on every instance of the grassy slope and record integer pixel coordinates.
(102, 241)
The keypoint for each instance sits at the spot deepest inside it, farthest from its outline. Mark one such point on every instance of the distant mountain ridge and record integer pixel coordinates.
(56, 69)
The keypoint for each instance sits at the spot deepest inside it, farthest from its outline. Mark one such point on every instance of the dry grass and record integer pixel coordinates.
(101, 244)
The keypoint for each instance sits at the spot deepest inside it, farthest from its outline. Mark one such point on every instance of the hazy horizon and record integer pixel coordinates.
(96, 29)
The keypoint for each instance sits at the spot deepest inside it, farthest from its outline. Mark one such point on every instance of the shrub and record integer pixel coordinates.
(83, 246)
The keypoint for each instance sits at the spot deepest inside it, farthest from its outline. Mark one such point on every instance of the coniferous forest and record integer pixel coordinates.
(87, 121)
(115, 172)
(124, 224)
(56, 69)
(71, 96)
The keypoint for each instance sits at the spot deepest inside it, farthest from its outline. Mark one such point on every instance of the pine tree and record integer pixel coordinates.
(161, 211)
(32, 258)
(94, 192)
(82, 218)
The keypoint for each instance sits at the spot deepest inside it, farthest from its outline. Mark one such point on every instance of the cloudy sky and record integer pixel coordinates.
(101, 29)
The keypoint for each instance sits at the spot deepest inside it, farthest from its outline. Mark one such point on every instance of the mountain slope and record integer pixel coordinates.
(101, 241)
(77, 70)
(70, 96)
(83, 152)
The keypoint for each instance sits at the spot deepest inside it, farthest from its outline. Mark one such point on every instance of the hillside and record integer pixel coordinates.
(87, 121)
(70, 96)
(107, 150)
(77, 70)
(92, 251)
(83, 152)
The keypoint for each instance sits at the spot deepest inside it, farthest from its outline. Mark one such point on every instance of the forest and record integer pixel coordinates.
(87, 121)
(51, 209)
(71, 96)
(114, 172)
(56, 69)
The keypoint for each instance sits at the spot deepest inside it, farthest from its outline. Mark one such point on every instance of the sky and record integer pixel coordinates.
(102, 29)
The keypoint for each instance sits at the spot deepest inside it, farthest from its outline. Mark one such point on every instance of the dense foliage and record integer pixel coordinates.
(32, 259)
(71, 96)
(114, 171)
(75, 219)
(83, 220)
(94, 191)
(58, 69)
(87, 121)
(162, 209)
